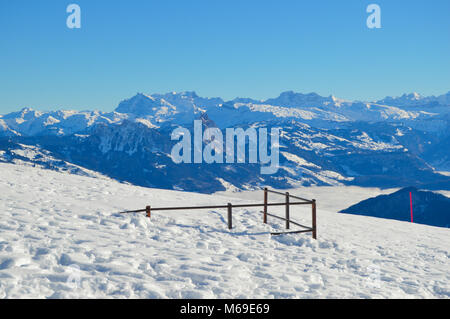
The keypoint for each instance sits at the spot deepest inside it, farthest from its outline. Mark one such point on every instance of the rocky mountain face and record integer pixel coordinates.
(323, 140)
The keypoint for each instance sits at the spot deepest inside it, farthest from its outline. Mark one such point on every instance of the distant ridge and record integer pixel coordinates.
(429, 208)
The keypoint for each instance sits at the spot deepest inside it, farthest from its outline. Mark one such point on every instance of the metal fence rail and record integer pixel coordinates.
(300, 201)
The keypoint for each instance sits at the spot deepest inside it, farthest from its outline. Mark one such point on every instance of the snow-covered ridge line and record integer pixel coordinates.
(181, 108)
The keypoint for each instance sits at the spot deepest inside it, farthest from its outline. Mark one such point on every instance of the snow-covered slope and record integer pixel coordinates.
(60, 236)
(28, 155)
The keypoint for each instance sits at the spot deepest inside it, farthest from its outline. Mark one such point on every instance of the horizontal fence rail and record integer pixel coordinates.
(213, 207)
(266, 204)
(296, 197)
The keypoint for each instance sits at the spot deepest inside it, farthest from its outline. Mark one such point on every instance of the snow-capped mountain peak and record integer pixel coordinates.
(416, 100)
(292, 99)
(142, 105)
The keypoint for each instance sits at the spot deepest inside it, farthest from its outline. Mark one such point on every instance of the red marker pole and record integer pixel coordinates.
(410, 203)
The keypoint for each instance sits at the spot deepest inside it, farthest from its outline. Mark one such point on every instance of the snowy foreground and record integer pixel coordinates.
(61, 237)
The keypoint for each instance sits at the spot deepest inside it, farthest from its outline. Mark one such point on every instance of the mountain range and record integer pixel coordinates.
(394, 142)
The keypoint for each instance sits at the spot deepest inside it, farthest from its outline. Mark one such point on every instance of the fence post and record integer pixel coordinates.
(148, 211)
(287, 210)
(265, 205)
(230, 217)
(314, 219)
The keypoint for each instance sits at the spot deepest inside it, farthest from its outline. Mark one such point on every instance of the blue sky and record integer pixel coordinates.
(230, 48)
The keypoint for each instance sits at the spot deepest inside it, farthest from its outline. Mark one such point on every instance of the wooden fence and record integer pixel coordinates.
(287, 203)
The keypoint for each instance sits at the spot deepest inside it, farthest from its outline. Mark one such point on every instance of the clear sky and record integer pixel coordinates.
(245, 48)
